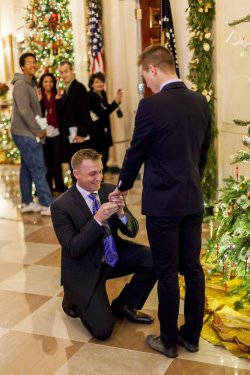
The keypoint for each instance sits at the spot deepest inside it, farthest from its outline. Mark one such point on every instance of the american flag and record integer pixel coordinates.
(95, 38)
(167, 28)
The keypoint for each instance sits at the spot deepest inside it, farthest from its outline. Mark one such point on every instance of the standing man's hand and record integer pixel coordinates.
(39, 94)
(79, 139)
(116, 193)
(59, 94)
(42, 134)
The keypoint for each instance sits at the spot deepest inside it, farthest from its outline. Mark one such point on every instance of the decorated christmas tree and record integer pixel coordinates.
(50, 37)
(228, 249)
(8, 151)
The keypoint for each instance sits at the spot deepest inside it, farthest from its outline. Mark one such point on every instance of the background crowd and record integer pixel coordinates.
(51, 122)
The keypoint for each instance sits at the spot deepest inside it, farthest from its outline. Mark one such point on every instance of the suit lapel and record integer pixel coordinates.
(80, 203)
(102, 195)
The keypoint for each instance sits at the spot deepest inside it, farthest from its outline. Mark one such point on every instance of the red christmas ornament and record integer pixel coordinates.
(54, 17)
(248, 195)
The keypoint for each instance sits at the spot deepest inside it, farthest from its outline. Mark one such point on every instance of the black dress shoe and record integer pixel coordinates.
(187, 345)
(132, 314)
(70, 310)
(155, 343)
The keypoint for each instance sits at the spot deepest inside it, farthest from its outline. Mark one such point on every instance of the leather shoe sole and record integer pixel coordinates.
(155, 343)
(132, 315)
(70, 311)
(187, 345)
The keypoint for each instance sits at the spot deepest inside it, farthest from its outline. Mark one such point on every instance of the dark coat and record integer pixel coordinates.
(101, 128)
(73, 110)
(171, 137)
(81, 238)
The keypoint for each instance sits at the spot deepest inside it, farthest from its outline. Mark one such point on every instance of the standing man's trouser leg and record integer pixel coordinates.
(175, 244)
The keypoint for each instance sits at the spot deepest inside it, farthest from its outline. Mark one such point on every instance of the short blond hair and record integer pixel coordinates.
(158, 56)
(84, 154)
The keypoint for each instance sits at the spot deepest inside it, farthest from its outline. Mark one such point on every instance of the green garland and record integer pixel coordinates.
(200, 22)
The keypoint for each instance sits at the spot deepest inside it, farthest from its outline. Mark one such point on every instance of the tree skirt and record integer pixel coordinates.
(223, 325)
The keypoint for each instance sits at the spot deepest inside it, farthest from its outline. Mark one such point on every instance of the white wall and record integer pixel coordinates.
(122, 46)
(233, 87)
(78, 11)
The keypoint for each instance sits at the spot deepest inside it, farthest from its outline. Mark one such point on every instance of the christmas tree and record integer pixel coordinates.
(228, 249)
(50, 38)
(8, 151)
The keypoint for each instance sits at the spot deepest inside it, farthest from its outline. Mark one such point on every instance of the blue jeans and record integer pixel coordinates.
(32, 170)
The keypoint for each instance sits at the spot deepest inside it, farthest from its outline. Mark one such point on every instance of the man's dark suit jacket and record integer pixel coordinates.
(81, 238)
(171, 136)
(73, 109)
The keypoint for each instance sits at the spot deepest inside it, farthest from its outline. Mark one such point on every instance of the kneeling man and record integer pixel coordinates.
(86, 225)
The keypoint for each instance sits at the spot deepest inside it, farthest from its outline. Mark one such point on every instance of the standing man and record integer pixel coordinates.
(171, 137)
(74, 111)
(86, 225)
(29, 137)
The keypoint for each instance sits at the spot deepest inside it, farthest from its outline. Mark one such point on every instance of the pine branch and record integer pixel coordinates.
(240, 156)
(241, 122)
(241, 20)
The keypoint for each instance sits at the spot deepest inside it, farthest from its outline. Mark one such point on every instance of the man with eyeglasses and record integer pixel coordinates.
(28, 137)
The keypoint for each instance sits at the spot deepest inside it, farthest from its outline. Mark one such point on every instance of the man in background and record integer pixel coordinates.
(28, 137)
(171, 137)
(74, 112)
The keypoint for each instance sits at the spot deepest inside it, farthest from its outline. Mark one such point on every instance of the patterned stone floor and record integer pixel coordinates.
(37, 338)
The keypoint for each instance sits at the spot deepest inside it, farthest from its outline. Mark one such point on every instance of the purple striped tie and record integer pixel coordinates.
(110, 253)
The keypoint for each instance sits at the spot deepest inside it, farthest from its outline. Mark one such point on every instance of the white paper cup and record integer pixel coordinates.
(73, 131)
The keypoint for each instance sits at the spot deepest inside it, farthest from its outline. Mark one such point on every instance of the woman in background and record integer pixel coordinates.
(100, 111)
(52, 152)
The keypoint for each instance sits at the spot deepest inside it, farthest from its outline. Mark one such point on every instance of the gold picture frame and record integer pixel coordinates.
(8, 57)
(154, 17)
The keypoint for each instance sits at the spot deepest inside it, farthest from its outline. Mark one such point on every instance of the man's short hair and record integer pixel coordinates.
(66, 62)
(158, 56)
(24, 56)
(84, 154)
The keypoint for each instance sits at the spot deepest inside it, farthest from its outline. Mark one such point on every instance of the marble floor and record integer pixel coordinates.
(37, 338)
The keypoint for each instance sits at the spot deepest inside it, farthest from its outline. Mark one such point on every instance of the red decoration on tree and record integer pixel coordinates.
(237, 172)
(54, 17)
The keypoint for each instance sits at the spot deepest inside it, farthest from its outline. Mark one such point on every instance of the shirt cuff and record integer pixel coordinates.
(97, 221)
(123, 219)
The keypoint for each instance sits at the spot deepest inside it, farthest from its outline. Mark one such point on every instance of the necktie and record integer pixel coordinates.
(110, 253)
